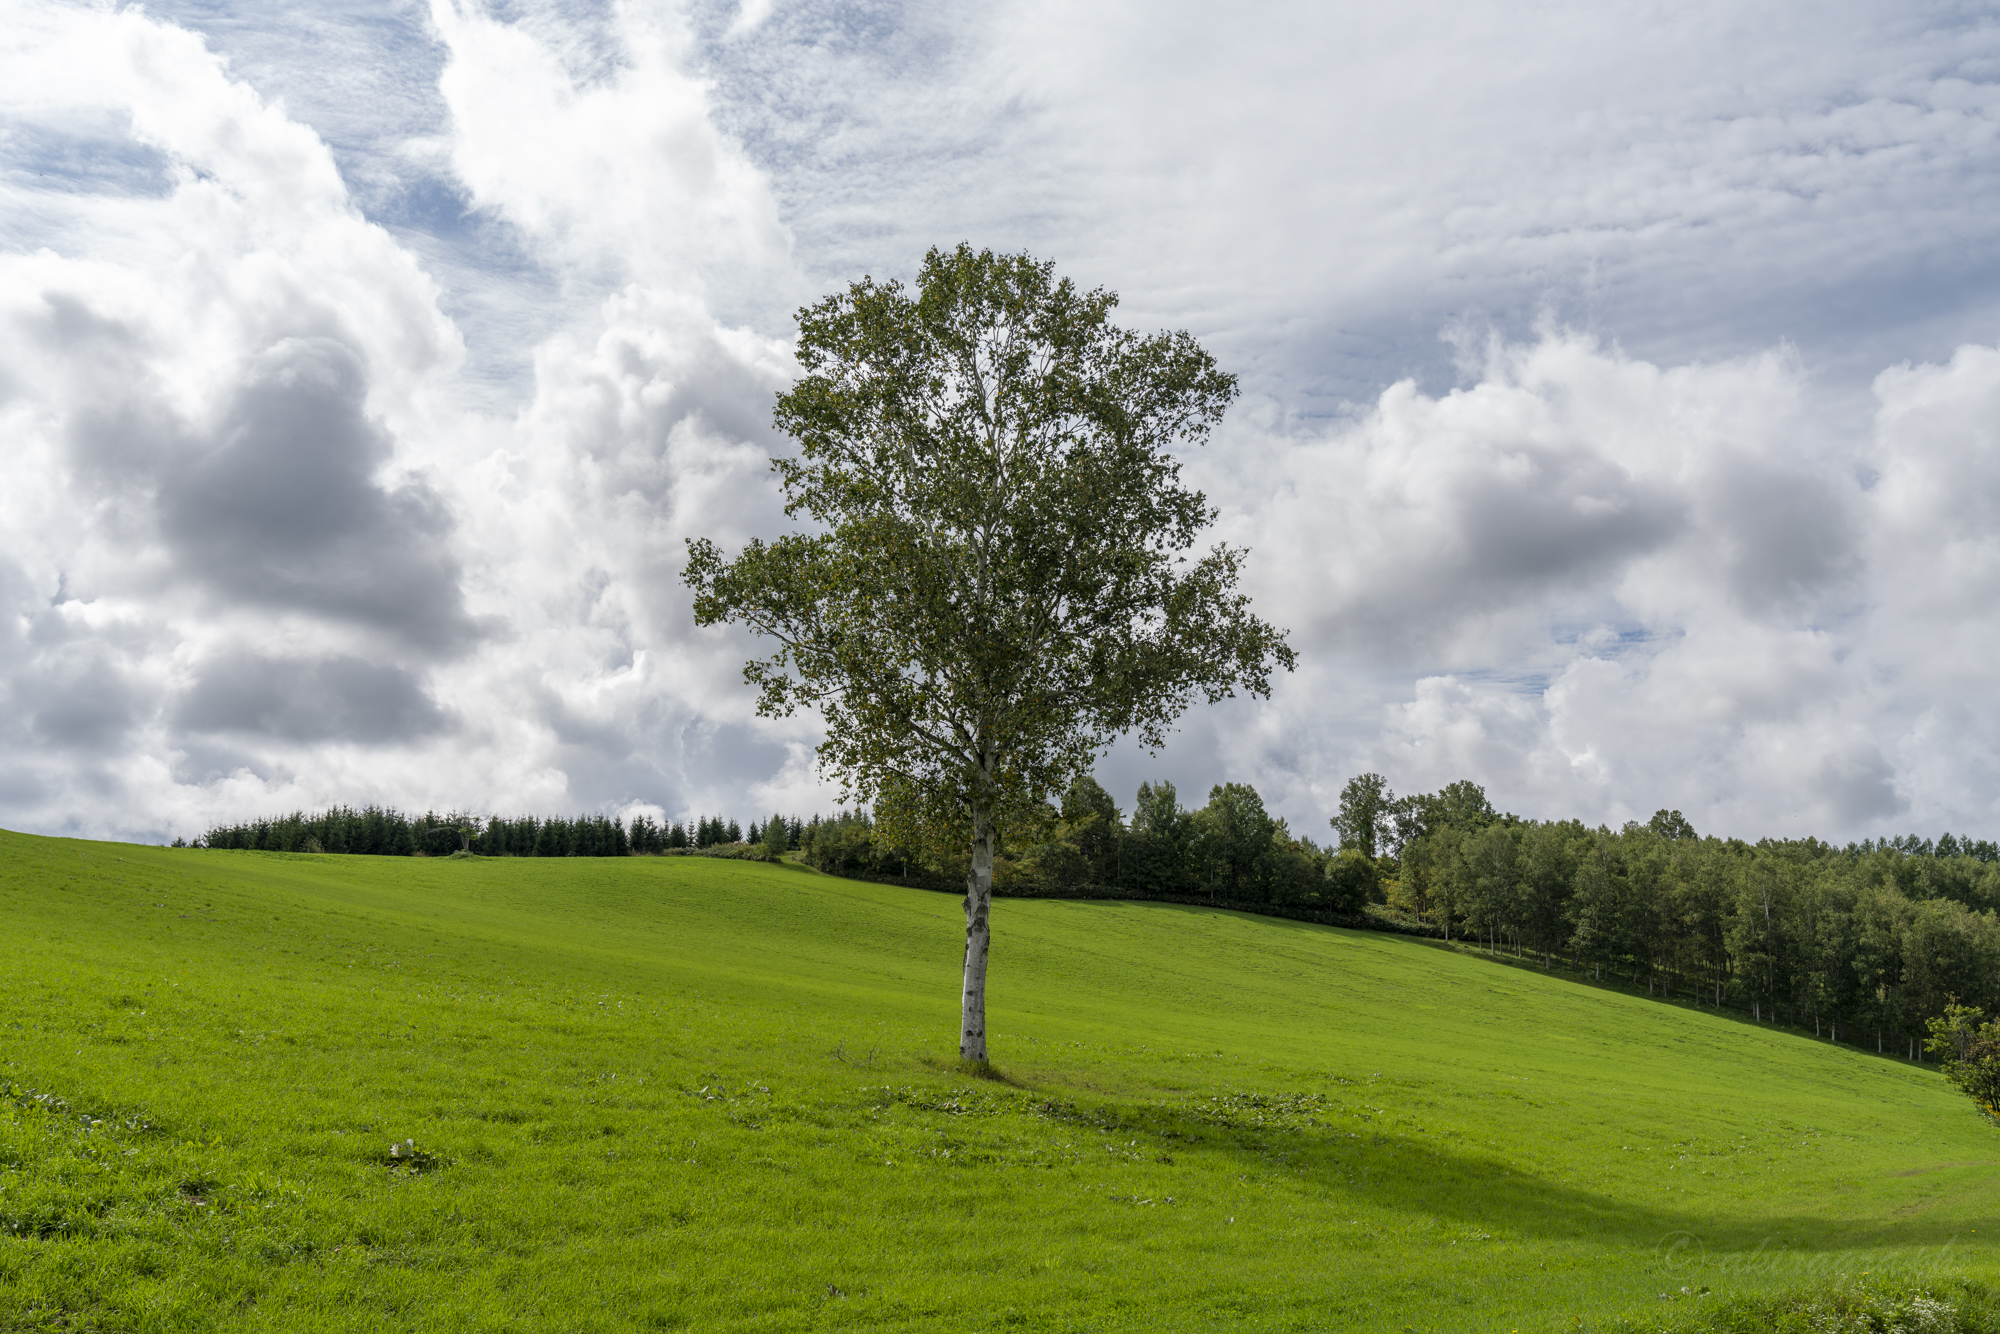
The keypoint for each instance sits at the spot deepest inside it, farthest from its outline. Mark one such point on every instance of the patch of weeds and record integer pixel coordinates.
(1069, 1114)
(957, 1102)
(1876, 1308)
(407, 1156)
(750, 1106)
(198, 1189)
(53, 1104)
(1243, 1111)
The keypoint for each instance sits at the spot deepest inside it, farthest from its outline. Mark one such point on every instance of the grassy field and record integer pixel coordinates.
(686, 1093)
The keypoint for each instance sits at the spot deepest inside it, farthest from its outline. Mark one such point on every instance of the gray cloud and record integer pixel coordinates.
(1791, 532)
(323, 699)
(1857, 789)
(282, 509)
(79, 702)
(1541, 519)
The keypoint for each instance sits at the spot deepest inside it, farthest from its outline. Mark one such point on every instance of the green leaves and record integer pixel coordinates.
(1967, 1045)
(997, 583)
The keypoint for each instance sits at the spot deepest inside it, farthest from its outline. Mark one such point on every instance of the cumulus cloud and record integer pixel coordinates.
(215, 364)
(357, 421)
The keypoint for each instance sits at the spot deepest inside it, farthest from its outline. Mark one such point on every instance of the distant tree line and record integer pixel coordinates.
(1866, 943)
(381, 831)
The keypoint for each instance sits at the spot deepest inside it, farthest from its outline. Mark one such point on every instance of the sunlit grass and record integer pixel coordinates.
(682, 1093)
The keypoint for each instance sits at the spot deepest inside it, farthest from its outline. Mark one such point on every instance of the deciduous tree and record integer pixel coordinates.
(998, 577)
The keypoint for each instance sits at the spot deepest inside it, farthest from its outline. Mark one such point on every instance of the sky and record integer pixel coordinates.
(1620, 424)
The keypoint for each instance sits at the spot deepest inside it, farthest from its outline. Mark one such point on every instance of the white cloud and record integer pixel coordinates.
(1620, 587)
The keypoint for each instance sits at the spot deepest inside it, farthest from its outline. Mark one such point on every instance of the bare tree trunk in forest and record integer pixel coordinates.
(978, 936)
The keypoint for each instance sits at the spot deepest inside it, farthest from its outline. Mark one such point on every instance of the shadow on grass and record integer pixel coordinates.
(1424, 1177)
(1280, 1141)
(985, 1071)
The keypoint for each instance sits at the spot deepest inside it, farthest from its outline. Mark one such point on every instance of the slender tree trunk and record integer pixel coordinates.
(978, 936)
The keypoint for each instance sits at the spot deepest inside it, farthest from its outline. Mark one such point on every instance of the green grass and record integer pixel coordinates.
(686, 1093)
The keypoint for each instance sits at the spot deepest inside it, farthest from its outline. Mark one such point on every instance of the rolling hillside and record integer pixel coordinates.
(686, 1093)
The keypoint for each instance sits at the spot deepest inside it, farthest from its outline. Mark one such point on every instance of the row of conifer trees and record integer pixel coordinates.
(383, 831)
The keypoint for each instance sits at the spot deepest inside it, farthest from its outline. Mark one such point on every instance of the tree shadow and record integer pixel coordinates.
(984, 1071)
(1423, 1176)
(1282, 1141)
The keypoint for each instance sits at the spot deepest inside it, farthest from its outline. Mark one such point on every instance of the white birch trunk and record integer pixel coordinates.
(978, 936)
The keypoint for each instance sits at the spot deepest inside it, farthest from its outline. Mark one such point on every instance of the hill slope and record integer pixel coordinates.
(665, 1093)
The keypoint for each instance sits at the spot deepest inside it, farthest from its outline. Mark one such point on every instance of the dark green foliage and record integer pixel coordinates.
(1967, 1045)
(1365, 813)
(1231, 852)
(710, 830)
(1674, 825)
(848, 844)
(1155, 851)
(645, 836)
(1352, 881)
(1232, 844)
(386, 832)
(1862, 944)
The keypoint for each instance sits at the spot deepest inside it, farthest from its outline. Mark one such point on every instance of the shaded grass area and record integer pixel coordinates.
(687, 1093)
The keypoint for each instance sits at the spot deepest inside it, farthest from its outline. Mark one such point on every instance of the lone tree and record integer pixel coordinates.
(996, 583)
